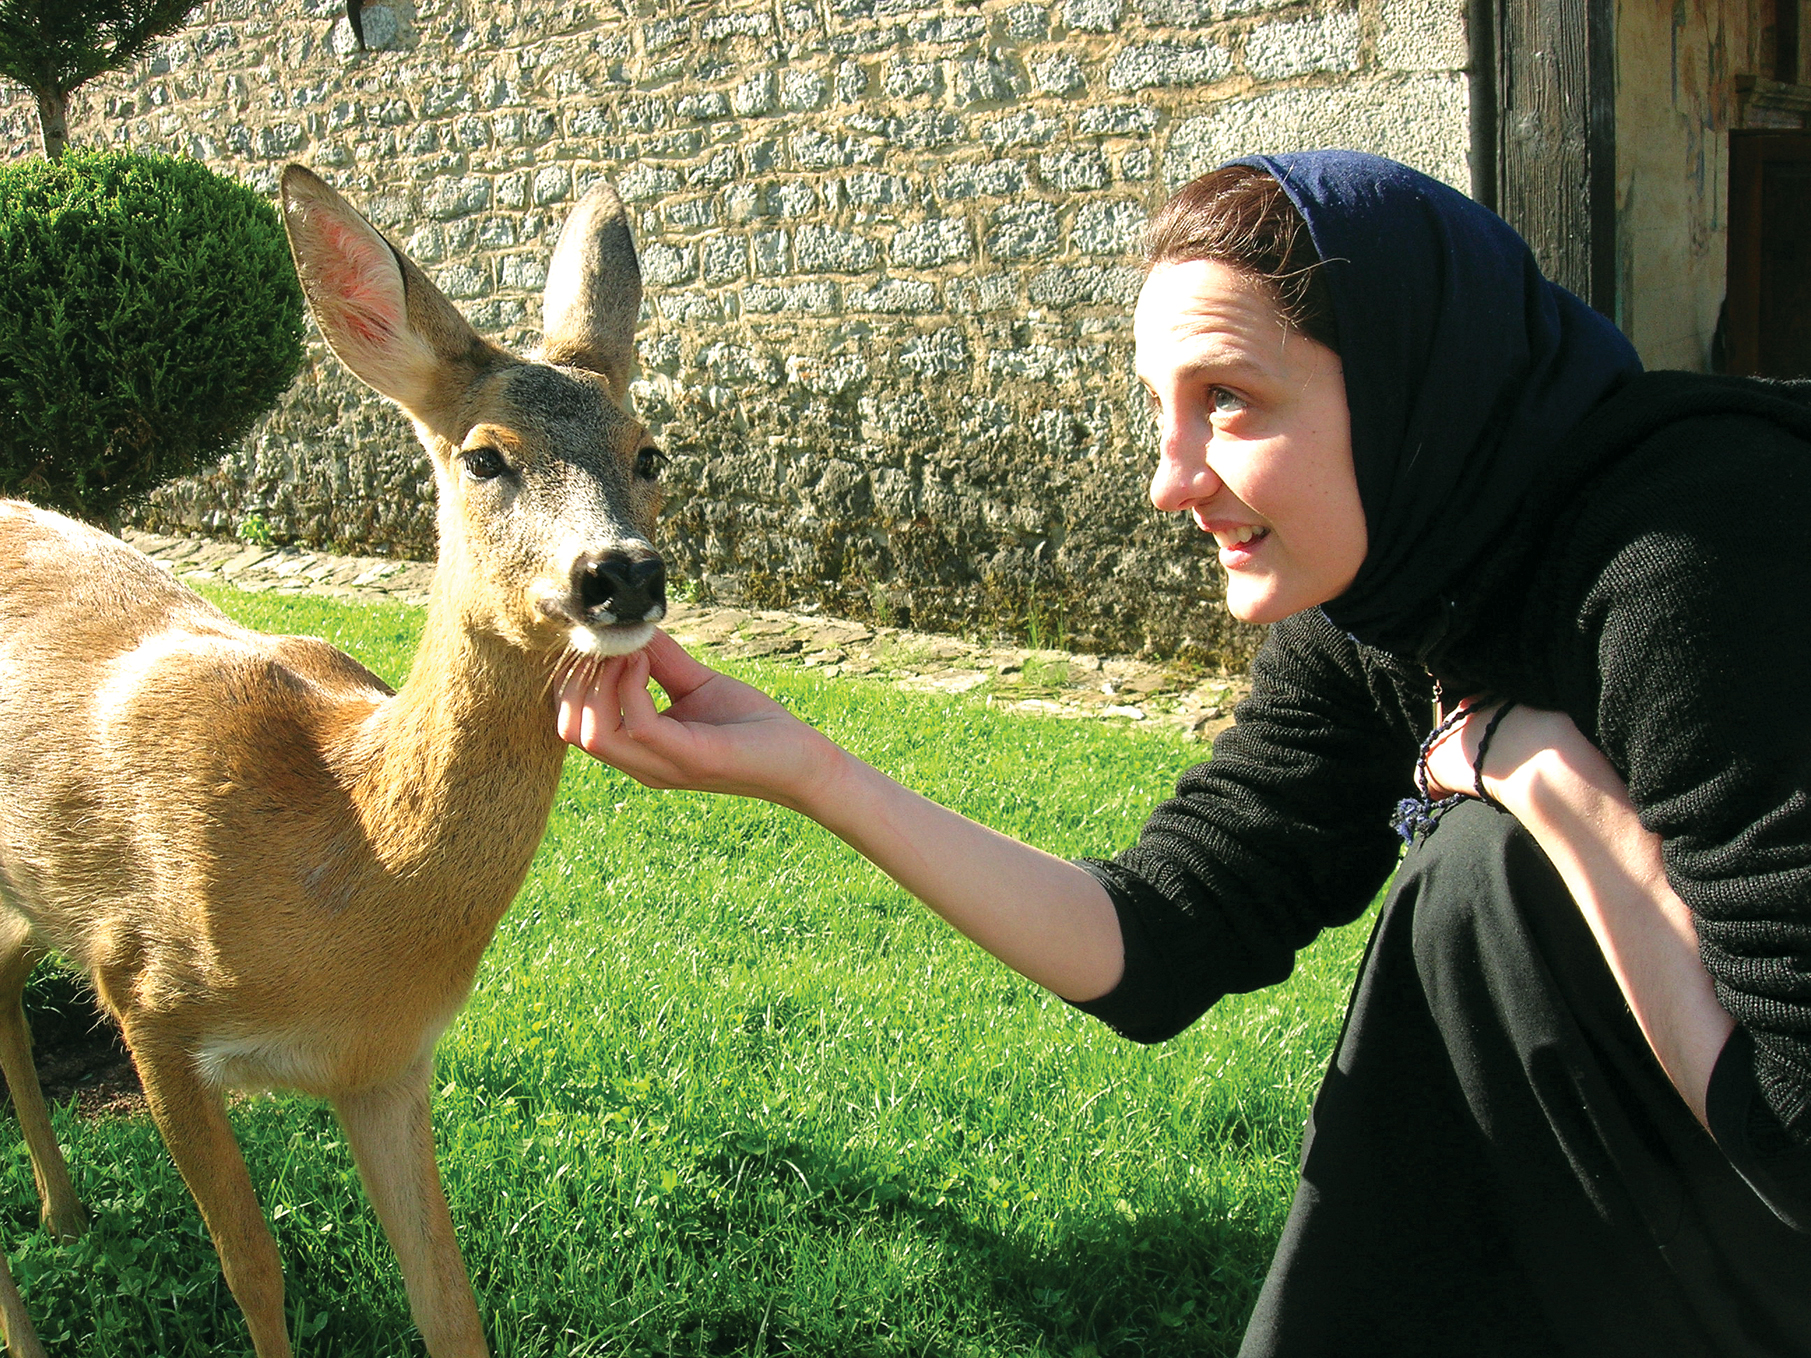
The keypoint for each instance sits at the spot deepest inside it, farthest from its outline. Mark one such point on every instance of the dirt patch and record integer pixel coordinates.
(79, 1051)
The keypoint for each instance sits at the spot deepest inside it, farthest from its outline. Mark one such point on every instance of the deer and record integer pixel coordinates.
(275, 871)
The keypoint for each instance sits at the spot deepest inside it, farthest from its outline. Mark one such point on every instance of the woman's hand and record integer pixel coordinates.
(1542, 770)
(1040, 915)
(717, 735)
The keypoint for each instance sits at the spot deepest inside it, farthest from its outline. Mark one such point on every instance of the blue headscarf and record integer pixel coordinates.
(1465, 370)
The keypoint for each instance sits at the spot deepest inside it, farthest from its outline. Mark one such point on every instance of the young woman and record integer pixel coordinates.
(1571, 1108)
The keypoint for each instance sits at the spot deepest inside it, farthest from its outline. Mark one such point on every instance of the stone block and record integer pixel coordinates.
(660, 34)
(815, 297)
(927, 244)
(641, 182)
(910, 79)
(1282, 50)
(851, 82)
(737, 364)
(814, 150)
(802, 90)
(552, 184)
(1062, 74)
(1028, 23)
(445, 199)
(1023, 231)
(281, 139)
(770, 252)
(512, 190)
(873, 188)
(939, 353)
(1135, 164)
(758, 94)
(721, 168)
(1150, 64)
(790, 198)
(665, 265)
(588, 123)
(426, 246)
(1092, 16)
(494, 232)
(462, 282)
(526, 272)
(981, 179)
(1176, 13)
(723, 259)
(721, 26)
(950, 28)
(824, 249)
(1068, 286)
(1073, 171)
(990, 292)
(1422, 35)
(894, 296)
(1421, 123)
(702, 107)
(979, 80)
(1111, 228)
(689, 214)
(827, 375)
(1022, 127)
(422, 139)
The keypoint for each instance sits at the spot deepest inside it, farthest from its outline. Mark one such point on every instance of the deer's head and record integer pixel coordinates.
(548, 486)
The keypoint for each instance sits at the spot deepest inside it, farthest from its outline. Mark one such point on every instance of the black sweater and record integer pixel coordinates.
(1661, 596)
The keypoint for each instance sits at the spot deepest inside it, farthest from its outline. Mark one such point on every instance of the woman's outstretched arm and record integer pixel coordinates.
(1567, 795)
(1040, 914)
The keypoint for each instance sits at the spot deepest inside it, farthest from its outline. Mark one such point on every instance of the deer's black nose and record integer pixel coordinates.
(622, 586)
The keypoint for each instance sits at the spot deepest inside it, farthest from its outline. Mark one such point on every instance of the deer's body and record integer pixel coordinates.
(277, 872)
(122, 833)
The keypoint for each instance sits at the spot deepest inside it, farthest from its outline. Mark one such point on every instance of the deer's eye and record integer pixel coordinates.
(482, 464)
(648, 463)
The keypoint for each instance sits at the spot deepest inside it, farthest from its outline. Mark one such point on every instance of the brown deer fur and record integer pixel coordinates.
(277, 872)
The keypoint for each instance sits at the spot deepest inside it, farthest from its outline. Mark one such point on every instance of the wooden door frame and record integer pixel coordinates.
(1548, 163)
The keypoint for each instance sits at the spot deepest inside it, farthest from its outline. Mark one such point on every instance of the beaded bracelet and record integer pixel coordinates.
(1477, 768)
(1417, 816)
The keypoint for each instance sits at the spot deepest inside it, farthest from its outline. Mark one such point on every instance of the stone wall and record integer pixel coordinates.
(887, 245)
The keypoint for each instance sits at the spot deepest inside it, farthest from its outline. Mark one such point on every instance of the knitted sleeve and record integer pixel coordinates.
(1285, 832)
(1696, 638)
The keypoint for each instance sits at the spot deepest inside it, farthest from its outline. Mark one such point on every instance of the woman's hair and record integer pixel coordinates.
(1240, 216)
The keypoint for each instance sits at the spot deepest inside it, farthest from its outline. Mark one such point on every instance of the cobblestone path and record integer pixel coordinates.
(1053, 682)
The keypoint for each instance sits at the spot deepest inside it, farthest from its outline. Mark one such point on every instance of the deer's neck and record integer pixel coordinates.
(457, 772)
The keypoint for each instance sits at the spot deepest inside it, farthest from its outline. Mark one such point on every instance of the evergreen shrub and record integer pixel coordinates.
(149, 314)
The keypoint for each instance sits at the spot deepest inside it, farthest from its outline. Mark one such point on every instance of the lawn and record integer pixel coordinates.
(723, 1089)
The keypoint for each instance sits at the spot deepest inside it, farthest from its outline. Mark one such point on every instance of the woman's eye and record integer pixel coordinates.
(482, 464)
(1224, 402)
(648, 463)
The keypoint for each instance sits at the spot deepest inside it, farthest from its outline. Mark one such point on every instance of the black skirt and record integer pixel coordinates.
(1496, 1163)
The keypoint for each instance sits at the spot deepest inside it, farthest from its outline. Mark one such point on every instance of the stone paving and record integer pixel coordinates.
(1056, 683)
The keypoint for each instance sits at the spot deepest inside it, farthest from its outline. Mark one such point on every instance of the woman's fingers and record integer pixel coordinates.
(673, 668)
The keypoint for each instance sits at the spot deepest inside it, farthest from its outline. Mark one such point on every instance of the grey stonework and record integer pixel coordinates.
(890, 252)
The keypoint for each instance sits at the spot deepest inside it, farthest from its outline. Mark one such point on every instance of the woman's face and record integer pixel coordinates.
(1256, 443)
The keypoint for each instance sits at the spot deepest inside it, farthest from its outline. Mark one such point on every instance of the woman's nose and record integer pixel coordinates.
(1182, 478)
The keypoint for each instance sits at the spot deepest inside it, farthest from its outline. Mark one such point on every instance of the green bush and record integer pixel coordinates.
(149, 314)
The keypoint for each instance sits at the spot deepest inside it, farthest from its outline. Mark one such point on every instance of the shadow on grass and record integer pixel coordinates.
(1112, 1285)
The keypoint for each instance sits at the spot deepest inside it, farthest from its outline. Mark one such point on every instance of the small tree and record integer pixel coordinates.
(149, 314)
(53, 46)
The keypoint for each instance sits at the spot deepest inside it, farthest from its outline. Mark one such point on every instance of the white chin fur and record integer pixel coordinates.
(606, 641)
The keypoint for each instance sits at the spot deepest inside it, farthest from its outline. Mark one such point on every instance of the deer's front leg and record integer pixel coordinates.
(63, 1211)
(192, 1117)
(392, 1142)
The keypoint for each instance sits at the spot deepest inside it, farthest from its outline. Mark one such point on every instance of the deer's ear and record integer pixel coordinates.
(388, 324)
(593, 295)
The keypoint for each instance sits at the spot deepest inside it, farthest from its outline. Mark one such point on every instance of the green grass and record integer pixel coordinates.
(724, 1089)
